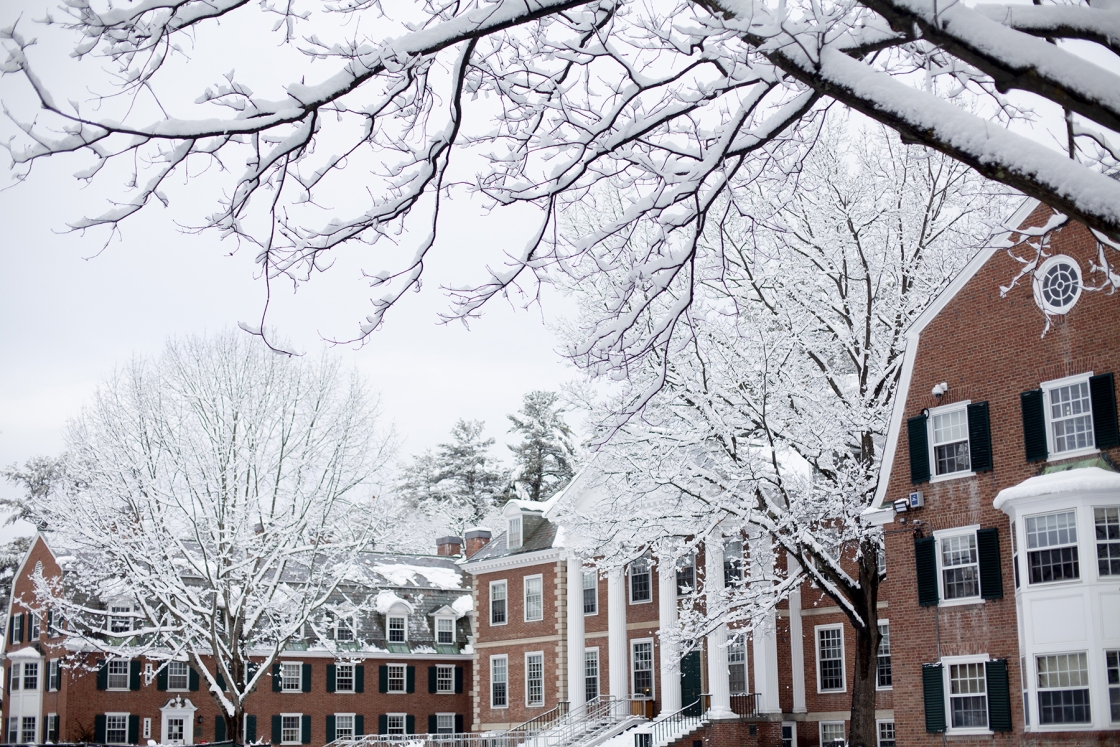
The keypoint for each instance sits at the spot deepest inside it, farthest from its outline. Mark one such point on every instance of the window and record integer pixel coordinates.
(534, 599)
(590, 674)
(13, 730)
(789, 734)
(344, 726)
(343, 628)
(884, 678)
(116, 728)
(1107, 525)
(514, 533)
(1112, 662)
(54, 677)
(732, 562)
(1015, 554)
(445, 631)
(178, 675)
(949, 439)
(52, 727)
(1024, 680)
(641, 662)
(445, 679)
(396, 674)
(117, 674)
(173, 733)
(289, 728)
(886, 733)
(641, 590)
(968, 696)
(830, 658)
(534, 679)
(737, 666)
(1057, 284)
(344, 678)
(1070, 416)
(13, 676)
(686, 575)
(1063, 689)
(499, 681)
(497, 602)
(831, 731)
(960, 569)
(31, 675)
(445, 723)
(15, 630)
(27, 732)
(117, 623)
(590, 593)
(1052, 547)
(291, 677)
(396, 628)
(36, 622)
(395, 723)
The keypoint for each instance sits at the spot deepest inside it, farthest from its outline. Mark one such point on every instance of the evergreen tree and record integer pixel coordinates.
(37, 477)
(545, 458)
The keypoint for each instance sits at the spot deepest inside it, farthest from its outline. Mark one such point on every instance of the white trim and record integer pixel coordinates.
(1038, 275)
(843, 660)
(931, 446)
(396, 616)
(879, 735)
(595, 574)
(299, 688)
(388, 679)
(525, 598)
(493, 658)
(448, 618)
(891, 654)
(1045, 387)
(528, 703)
(490, 603)
(821, 725)
(793, 732)
(946, 674)
(941, 534)
(353, 678)
(598, 670)
(520, 560)
(299, 720)
(630, 580)
(128, 675)
(451, 690)
(404, 723)
(107, 714)
(652, 668)
(452, 715)
(353, 725)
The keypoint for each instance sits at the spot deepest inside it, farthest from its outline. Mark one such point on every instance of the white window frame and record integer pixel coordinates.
(504, 584)
(1076, 545)
(525, 586)
(1046, 386)
(53, 718)
(941, 534)
(24, 675)
(299, 728)
(451, 622)
(630, 580)
(146, 728)
(35, 724)
(688, 561)
(515, 539)
(187, 674)
(337, 716)
(505, 659)
(445, 715)
(348, 623)
(388, 624)
(946, 677)
(389, 679)
(932, 446)
(54, 676)
(887, 625)
(634, 643)
(529, 703)
(1097, 543)
(353, 677)
(299, 680)
(598, 670)
(879, 733)
(584, 588)
(450, 689)
(822, 724)
(109, 675)
(404, 723)
(817, 630)
(124, 715)
(1089, 686)
(734, 644)
(1111, 686)
(115, 609)
(792, 733)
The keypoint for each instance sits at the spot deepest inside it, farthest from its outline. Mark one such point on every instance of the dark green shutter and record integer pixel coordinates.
(359, 725)
(134, 674)
(161, 678)
(134, 730)
(432, 676)
(383, 724)
(305, 680)
(1102, 393)
(219, 728)
(934, 686)
(925, 562)
(25, 629)
(277, 685)
(359, 678)
(383, 680)
(999, 695)
(919, 449)
(277, 730)
(220, 680)
(991, 574)
(305, 729)
(330, 683)
(251, 669)
(410, 677)
(979, 437)
(433, 727)
(250, 728)
(458, 679)
(193, 679)
(330, 728)
(102, 676)
(459, 723)
(99, 728)
(1034, 425)
(409, 724)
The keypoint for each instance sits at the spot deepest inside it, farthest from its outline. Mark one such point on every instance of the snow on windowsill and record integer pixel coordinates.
(1085, 480)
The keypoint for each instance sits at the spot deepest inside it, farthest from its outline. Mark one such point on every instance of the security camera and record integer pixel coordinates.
(940, 389)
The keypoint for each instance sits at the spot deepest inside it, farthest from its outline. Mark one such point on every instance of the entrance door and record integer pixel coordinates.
(691, 687)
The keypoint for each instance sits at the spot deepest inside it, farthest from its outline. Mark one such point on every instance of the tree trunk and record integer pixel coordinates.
(864, 731)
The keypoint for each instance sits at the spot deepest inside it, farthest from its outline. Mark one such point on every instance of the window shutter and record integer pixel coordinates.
(330, 686)
(251, 669)
(134, 674)
(12, 629)
(219, 728)
(383, 724)
(221, 681)
(102, 676)
(919, 449)
(193, 679)
(410, 675)
(359, 725)
(432, 726)
(409, 724)
(991, 574)
(459, 723)
(134, 729)
(50, 623)
(999, 695)
(359, 678)
(934, 688)
(277, 685)
(1034, 425)
(99, 728)
(277, 731)
(458, 679)
(305, 680)
(1102, 394)
(382, 681)
(161, 679)
(250, 728)
(925, 562)
(25, 629)
(432, 681)
(330, 728)
(979, 437)
(305, 730)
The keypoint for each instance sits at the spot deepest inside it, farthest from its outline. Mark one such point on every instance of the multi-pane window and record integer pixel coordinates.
(1063, 689)
(883, 676)
(27, 731)
(178, 675)
(590, 593)
(343, 628)
(445, 630)
(344, 726)
(960, 569)
(174, 732)
(445, 723)
(732, 562)
(641, 590)
(1052, 547)
(395, 723)
(514, 533)
(119, 623)
(117, 674)
(1071, 417)
(289, 728)
(497, 602)
(789, 734)
(831, 731)
(116, 728)
(737, 667)
(968, 696)
(1107, 528)
(396, 625)
(52, 727)
(591, 674)
(950, 442)
(886, 734)
(534, 598)
(534, 679)
(344, 678)
(686, 575)
(830, 658)
(31, 675)
(499, 682)
(641, 657)
(445, 679)
(13, 730)
(54, 677)
(291, 677)
(396, 674)
(1112, 662)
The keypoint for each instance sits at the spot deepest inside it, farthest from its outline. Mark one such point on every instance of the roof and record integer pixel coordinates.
(541, 536)
(1075, 479)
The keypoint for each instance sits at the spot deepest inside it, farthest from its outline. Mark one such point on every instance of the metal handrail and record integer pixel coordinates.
(499, 739)
(663, 727)
(544, 720)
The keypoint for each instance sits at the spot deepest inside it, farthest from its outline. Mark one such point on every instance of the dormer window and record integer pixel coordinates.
(445, 631)
(395, 626)
(514, 533)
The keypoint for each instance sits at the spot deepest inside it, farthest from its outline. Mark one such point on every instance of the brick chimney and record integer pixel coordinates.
(476, 540)
(450, 546)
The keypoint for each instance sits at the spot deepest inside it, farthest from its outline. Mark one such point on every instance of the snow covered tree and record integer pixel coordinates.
(221, 496)
(545, 459)
(772, 408)
(37, 478)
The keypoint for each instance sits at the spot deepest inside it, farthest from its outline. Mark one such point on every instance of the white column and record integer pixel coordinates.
(670, 653)
(796, 644)
(719, 684)
(765, 635)
(618, 658)
(576, 690)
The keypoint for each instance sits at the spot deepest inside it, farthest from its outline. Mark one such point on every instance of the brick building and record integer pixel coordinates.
(1000, 502)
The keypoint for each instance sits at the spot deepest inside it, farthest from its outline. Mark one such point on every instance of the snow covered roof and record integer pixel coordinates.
(1082, 480)
(415, 571)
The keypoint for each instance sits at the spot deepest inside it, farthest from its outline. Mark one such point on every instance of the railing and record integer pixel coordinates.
(745, 705)
(545, 720)
(494, 739)
(668, 727)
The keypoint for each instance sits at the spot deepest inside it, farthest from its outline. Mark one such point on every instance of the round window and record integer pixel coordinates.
(1057, 284)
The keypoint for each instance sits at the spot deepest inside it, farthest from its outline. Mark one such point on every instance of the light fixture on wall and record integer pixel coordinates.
(940, 389)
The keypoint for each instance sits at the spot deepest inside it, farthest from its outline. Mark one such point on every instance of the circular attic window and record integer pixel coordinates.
(1057, 284)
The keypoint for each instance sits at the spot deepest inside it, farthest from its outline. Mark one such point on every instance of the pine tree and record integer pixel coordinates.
(545, 458)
